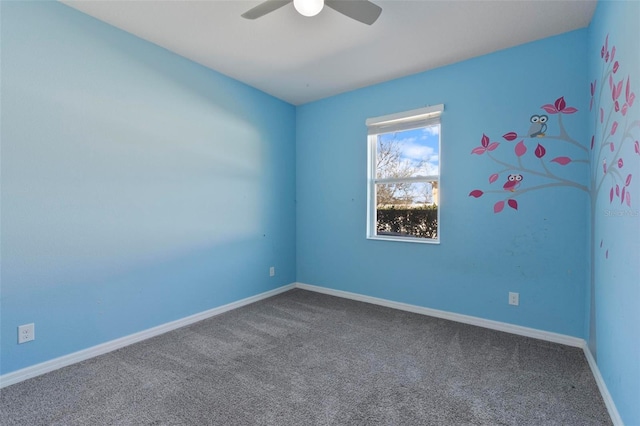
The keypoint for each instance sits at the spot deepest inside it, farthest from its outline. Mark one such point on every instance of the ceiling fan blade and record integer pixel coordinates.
(360, 10)
(264, 8)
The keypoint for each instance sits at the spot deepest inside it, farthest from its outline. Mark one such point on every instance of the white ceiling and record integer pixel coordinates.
(300, 59)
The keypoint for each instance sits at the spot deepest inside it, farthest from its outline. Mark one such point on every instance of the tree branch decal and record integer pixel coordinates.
(612, 99)
(614, 131)
(515, 171)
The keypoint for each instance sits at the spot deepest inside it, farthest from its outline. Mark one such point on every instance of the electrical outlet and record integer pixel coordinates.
(514, 298)
(26, 333)
(272, 271)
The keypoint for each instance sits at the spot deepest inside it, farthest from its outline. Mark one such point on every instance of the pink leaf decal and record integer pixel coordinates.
(485, 140)
(569, 110)
(616, 65)
(627, 90)
(604, 166)
(617, 106)
(632, 97)
(620, 163)
(617, 190)
(478, 150)
(614, 127)
(476, 193)
(510, 136)
(629, 199)
(494, 177)
(492, 146)
(613, 52)
(618, 90)
(612, 147)
(606, 254)
(624, 192)
(497, 207)
(606, 57)
(624, 109)
(627, 182)
(520, 149)
(601, 241)
(611, 82)
(611, 196)
(593, 139)
(636, 147)
(563, 161)
(549, 108)
(513, 204)
(540, 151)
(560, 104)
(593, 87)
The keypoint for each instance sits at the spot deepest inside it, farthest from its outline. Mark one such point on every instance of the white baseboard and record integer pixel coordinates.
(466, 319)
(63, 361)
(602, 386)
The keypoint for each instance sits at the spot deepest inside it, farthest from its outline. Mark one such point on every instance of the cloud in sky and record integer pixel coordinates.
(419, 148)
(430, 131)
(406, 141)
(419, 152)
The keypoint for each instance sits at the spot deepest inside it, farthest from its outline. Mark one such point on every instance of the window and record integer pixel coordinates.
(404, 176)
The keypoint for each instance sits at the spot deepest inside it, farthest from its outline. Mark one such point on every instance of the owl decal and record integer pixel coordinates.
(538, 126)
(513, 182)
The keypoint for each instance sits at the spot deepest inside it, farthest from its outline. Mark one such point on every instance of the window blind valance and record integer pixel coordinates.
(407, 120)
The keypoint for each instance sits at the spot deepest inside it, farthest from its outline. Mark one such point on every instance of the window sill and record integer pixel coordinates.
(404, 239)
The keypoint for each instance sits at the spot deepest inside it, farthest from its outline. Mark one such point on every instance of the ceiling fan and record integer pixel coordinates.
(361, 10)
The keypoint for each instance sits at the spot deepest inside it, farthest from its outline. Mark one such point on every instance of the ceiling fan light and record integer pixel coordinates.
(308, 7)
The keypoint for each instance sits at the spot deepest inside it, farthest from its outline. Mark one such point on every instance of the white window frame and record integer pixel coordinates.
(414, 119)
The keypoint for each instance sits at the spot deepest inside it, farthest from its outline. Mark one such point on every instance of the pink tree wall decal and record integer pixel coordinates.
(612, 98)
(515, 171)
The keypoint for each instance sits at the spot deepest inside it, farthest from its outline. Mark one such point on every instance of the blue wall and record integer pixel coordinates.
(616, 232)
(539, 251)
(137, 187)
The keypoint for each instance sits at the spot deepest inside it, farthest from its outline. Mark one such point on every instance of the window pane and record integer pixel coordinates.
(408, 153)
(407, 209)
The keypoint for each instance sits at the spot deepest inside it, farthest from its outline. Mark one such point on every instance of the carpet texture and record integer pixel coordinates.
(302, 358)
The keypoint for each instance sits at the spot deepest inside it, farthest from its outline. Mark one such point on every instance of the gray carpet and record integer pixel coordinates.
(303, 358)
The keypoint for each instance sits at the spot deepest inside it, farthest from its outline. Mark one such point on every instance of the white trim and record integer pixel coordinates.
(602, 386)
(373, 181)
(65, 360)
(466, 319)
(399, 118)
(412, 179)
(419, 240)
(371, 187)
